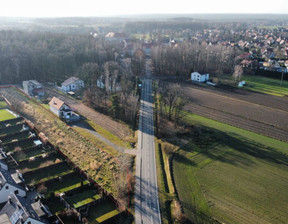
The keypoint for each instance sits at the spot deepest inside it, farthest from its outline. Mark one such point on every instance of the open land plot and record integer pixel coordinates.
(83, 198)
(232, 175)
(99, 165)
(266, 85)
(240, 113)
(5, 115)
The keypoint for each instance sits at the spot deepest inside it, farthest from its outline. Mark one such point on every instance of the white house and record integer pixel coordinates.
(8, 186)
(59, 108)
(197, 77)
(33, 88)
(72, 84)
(20, 210)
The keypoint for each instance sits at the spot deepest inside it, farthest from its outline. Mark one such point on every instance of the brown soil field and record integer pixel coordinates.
(119, 129)
(260, 113)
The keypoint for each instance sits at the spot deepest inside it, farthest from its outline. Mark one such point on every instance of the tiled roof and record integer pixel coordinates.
(56, 103)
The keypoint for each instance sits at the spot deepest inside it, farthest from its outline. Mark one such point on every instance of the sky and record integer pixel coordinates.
(85, 8)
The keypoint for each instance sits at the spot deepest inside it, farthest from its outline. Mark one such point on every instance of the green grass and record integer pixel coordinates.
(46, 106)
(231, 174)
(5, 115)
(3, 104)
(67, 184)
(96, 141)
(83, 198)
(108, 135)
(47, 173)
(102, 212)
(266, 85)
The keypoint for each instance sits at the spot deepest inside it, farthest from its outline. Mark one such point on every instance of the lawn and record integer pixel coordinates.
(11, 122)
(80, 199)
(67, 184)
(18, 136)
(3, 104)
(11, 130)
(102, 212)
(5, 115)
(266, 85)
(232, 175)
(47, 173)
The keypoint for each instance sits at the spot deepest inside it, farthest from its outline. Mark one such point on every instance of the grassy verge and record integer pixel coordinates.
(231, 174)
(266, 85)
(96, 141)
(5, 115)
(108, 135)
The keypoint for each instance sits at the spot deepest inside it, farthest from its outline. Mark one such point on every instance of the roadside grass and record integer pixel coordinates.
(5, 115)
(108, 135)
(165, 198)
(232, 175)
(266, 85)
(101, 212)
(3, 104)
(96, 141)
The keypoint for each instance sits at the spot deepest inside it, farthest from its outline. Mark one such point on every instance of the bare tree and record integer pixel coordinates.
(238, 71)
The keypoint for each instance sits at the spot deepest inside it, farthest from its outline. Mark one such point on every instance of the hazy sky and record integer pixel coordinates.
(63, 8)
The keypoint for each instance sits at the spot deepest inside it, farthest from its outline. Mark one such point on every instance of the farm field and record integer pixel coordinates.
(231, 174)
(5, 115)
(266, 85)
(247, 114)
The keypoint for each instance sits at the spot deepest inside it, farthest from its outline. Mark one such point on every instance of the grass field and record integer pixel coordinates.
(233, 175)
(266, 85)
(5, 115)
(3, 104)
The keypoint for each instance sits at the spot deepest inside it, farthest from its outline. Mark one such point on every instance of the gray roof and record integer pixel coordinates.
(70, 81)
(20, 208)
(6, 177)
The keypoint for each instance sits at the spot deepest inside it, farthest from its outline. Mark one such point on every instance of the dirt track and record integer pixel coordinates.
(260, 113)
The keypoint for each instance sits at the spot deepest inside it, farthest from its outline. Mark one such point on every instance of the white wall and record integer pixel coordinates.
(54, 110)
(4, 193)
(33, 221)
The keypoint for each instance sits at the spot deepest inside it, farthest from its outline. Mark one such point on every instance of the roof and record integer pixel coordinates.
(4, 219)
(18, 207)
(69, 81)
(6, 177)
(56, 103)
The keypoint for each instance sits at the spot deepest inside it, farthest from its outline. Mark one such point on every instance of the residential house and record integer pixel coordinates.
(3, 160)
(23, 211)
(72, 84)
(10, 184)
(62, 110)
(33, 88)
(112, 36)
(197, 77)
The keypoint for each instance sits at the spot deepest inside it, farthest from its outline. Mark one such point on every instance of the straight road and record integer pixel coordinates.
(146, 193)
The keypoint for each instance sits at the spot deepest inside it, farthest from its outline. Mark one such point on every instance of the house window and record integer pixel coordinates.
(16, 192)
(7, 187)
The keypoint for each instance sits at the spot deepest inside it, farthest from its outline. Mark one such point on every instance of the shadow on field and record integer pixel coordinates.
(228, 148)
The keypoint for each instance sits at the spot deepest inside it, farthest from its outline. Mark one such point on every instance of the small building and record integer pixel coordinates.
(72, 84)
(59, 108)
(197, 77)
(23, 211)
(62, 110)
(8, 185)
(3, 160)
(241, 84)
(33, 88)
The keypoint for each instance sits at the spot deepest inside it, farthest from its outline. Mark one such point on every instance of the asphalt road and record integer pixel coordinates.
(146, 193)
